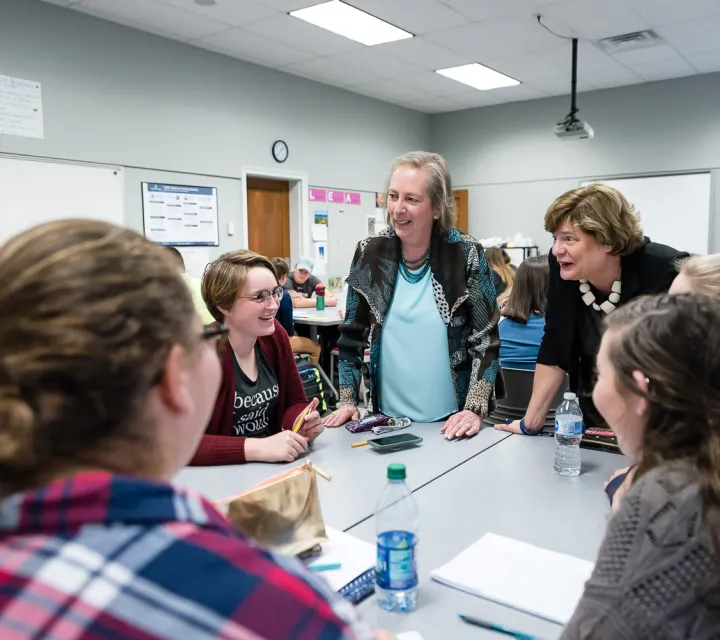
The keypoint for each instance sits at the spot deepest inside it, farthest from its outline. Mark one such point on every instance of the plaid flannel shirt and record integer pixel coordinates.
(100, 556)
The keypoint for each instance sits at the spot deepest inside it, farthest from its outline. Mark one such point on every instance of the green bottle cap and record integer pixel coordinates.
(396, 472)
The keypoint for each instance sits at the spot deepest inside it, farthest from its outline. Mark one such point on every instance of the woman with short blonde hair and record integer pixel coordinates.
(600, 260)
(699, 274)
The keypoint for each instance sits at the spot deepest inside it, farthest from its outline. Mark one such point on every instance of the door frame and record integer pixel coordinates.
(299, 206)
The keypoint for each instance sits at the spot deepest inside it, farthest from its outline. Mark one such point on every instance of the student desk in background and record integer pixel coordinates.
(511, 490)
(358, 475)
(329, 317)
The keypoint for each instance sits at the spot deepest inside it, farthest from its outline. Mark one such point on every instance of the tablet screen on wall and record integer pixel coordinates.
(176, 214)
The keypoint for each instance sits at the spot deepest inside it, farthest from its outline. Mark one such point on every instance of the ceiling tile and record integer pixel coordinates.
(663, 12)
(518, 93)
(287, 5)
(525, 27)
(128, 23)
(559, 86)
(301, 35)
(231, 12)
(326, 70)
(647, 54)
(706, 62)
(663, 69)
(377, 62)
(590, 58)
(390, 91)
(435, 84)
(424, 53)
(415, 16)
(606, 78)
(433, 105)
(485, 9)
(248, 45)
(477, 42)
(694, 36)
(474, 99)
(596, 19)
(61, 3)
(524, 67)
(156, 15)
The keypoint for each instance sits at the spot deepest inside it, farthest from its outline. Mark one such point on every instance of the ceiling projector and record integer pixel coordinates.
(573, 130)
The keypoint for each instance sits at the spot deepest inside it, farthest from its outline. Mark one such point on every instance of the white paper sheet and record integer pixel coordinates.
(409, 635)
(21, 111)
(356, 558)
(541, 582)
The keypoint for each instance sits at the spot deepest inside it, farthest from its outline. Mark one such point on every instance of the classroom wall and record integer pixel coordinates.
(120, 96)
(514, 166)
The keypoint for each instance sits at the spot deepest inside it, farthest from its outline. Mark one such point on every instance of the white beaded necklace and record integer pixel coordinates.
(608, 306)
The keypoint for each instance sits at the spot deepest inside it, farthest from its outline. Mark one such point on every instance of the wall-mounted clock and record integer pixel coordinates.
(280, 151)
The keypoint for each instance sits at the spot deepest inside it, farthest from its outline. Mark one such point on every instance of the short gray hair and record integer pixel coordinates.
(439, 184)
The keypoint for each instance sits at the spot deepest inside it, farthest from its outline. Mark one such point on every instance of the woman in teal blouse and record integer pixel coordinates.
(421, 294)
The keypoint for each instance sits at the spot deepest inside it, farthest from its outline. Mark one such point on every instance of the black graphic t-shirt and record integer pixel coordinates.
(255, 402)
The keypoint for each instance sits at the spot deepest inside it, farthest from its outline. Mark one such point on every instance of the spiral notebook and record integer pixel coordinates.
(543, 583)
(355, 579)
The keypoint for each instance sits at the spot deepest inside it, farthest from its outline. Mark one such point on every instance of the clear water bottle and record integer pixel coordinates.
(568, 434)
(398, 525)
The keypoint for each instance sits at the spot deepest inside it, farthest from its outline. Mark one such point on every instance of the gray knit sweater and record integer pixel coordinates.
(656, 577)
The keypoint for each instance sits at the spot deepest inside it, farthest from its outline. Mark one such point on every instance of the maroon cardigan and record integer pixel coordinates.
(218, 445)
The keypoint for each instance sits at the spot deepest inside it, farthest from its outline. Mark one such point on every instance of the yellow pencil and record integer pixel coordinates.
(359, 444)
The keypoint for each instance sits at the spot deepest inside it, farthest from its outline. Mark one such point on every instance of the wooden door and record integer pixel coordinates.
(268, 203)
(461, 202)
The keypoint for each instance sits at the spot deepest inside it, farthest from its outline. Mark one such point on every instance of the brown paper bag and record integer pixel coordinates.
(283, 512)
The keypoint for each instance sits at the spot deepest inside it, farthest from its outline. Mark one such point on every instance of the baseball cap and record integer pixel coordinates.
(305, 263)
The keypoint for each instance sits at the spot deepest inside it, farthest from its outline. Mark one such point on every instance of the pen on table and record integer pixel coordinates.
(325, 567)
(359, 444)
(496, 627)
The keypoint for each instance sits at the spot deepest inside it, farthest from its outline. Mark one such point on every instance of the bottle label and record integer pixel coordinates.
(569, 428)
(396, 561)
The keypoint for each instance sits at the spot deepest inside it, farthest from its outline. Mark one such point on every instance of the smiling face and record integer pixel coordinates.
(249, 317)
(625, 412)
(301, 275)
(579, 255)
(409, 205)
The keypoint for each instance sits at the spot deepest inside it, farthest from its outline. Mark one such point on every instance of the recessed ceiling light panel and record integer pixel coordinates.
(478, 76)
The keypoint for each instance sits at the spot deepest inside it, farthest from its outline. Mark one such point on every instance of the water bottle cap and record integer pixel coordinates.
(396, 472)
(569, 395)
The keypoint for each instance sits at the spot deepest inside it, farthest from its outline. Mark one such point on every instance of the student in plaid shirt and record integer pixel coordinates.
(107, 380)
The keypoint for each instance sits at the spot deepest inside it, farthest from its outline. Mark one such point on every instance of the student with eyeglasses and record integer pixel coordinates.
(261, 394)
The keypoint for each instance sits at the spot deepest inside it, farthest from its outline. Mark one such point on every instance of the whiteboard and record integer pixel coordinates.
(175, 214)
(34, 191)
(674, 210)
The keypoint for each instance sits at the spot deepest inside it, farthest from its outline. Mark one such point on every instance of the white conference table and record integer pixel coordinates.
(359, 475)
(512, 490)
(328, 317)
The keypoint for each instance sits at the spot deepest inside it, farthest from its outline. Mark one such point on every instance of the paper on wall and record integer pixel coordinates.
(21, 108)
(320, 257)
(196, 259)
(320, 226)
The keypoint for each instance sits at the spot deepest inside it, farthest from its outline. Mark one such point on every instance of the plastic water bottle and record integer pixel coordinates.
(568, 434)
(398, 525)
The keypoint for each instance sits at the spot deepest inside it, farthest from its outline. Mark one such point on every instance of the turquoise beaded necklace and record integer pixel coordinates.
(408, 268)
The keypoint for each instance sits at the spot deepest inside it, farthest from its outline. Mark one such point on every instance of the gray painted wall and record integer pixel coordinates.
(514, 166)
(119, 96)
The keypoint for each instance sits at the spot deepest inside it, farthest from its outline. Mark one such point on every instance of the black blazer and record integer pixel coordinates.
(650, 269)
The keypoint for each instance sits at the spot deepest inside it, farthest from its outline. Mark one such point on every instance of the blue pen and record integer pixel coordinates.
(496, 627)
(325, 567)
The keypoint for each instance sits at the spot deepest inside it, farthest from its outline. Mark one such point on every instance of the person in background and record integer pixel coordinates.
(503, 272)
(108, 379)
(285, 308)
(698, 274)
(423, 292)
(658, 570)
(193, 284)
(600, 261)
(301, 284)
(299, 344)
(521, 331)
(261, 394)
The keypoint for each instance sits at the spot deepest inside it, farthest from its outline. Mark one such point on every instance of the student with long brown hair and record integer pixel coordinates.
(502, 271)
(107, 379)
(658, 387)
(521, 331)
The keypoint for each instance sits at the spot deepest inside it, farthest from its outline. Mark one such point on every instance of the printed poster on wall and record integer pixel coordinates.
(320, 226)
(21, 111)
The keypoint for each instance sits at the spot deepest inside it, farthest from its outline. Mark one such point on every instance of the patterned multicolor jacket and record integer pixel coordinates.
(465, 297)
